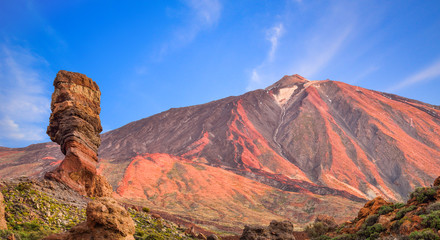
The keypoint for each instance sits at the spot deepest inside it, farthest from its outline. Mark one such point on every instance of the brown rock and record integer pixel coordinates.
(327, 221)
(201, 236)
(410, 225)
(75, 111)
(275, 230)
(437, 181)
(106, 219)
(212, 237)
(372, 207)
(75, 125)
(2, 213)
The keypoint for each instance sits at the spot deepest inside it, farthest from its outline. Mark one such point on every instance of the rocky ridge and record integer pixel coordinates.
(38, 208)
(418, 218)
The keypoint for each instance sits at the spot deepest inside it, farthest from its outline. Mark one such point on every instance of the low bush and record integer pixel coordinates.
(385, 209)
(433, 207)
(398, 205)
(424, 194)
(317, 229)
(432, 220)
(371, 220)
(402, 212)
(425, 234)
(372, 232)
(145, 209)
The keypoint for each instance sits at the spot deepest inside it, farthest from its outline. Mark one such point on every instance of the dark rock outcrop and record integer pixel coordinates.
(2, 213)
(276, 230)
(106, 219)
(75, 125)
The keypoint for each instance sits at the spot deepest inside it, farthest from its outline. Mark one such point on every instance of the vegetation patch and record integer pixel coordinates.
(424, 194)
(425, 234)
(32, 214)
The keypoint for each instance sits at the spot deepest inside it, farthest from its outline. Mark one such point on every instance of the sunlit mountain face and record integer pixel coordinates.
(294, 150)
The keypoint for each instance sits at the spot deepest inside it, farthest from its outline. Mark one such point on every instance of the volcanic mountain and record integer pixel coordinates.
(291, 151)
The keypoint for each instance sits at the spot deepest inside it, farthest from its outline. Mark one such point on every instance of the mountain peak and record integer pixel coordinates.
(288, 81)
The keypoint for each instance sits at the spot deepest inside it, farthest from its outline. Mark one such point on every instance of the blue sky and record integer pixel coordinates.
(149, 56)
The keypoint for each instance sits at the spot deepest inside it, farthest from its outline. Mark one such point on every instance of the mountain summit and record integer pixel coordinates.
(293, 150)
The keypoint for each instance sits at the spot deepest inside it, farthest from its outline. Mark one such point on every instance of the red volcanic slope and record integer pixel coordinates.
(320, 139)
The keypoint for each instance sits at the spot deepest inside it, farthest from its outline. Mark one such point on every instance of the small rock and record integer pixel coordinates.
(201, 236)
(212, 237)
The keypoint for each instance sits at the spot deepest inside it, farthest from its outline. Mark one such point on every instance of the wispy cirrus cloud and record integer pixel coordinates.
(321, 49)
(25, 105)
(200, 15)
(428, 73)
(273, 35)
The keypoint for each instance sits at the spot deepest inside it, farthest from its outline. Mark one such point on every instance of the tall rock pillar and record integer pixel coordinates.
(75, 125)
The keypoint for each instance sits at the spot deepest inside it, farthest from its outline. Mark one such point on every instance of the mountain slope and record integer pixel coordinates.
(324, 140)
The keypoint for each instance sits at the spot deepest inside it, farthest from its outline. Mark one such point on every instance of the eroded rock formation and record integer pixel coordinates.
(2, 213)
(106, 219)
(75, 125)
(275, 230)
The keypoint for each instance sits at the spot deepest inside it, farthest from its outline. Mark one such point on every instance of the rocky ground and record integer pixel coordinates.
(36, 209)
(418, 218)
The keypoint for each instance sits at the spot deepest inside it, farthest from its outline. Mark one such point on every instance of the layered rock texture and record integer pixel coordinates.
(294, 150)
(106, 219)
(75, 125)
(2, 213)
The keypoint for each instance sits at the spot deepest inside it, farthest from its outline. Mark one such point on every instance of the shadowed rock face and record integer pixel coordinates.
(75, 125)
(2, 213)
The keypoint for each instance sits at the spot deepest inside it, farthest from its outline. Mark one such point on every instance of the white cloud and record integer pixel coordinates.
(321, 49)
(25, 106)
(202, 15)
(426, 74)
(274, 35)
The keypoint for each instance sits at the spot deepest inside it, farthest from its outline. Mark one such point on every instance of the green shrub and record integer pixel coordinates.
(317, 229)
(432, 220)
(371, 232)
(385, 209)
(433, 207)
(145, 209)
(398, 205)
(371, 220)
(6, 234)
(402, 212)
(423, 194)
(425, 234)
(346, 237)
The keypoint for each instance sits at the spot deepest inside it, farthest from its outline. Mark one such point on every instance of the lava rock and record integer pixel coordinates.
(75, 125)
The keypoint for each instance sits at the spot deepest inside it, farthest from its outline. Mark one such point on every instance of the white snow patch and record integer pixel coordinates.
(284, 95)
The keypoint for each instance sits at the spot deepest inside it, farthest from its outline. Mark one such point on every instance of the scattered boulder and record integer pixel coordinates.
(106, 219)
(2, 213)
(437, 181)
(75, 125)
(276, 230)
(213, 237)
(372, 207)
